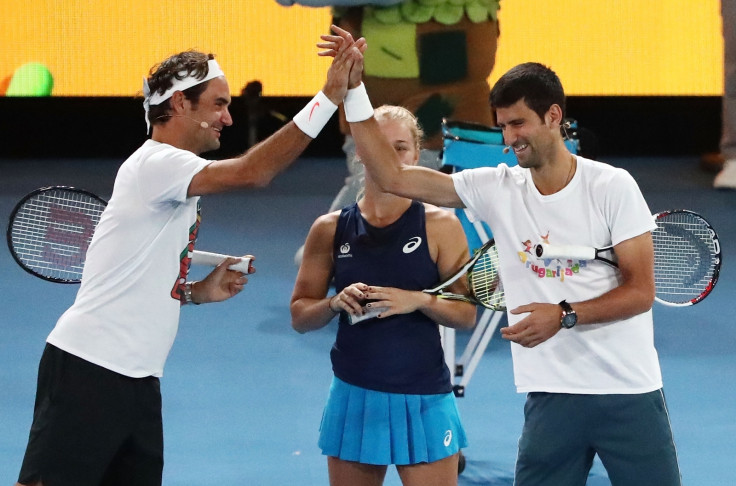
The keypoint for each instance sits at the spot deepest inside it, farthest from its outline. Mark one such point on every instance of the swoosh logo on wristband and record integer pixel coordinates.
(314, 106)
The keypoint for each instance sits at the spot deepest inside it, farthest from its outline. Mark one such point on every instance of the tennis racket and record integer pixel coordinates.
(51, 228)
(483, 280)
(687, 257)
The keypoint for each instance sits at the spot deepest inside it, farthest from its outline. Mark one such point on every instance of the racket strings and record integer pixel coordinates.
(684, 257)
(484, 281)
(51, 232)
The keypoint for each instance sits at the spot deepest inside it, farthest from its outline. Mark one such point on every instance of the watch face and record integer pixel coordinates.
(569, 320)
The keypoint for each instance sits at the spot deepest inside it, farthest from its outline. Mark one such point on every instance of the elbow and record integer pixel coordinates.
(648, 301)
(296, 323)
(464, 319)
(642, 300)
(389, 181)
(390, 185)
(299, 325)
(468, 319)
(261, 180)
(252, 177)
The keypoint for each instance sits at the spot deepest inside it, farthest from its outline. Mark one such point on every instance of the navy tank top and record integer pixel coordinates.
(401, 353)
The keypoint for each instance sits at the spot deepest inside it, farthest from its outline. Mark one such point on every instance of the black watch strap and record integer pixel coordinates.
(568, 318)
(566, 307)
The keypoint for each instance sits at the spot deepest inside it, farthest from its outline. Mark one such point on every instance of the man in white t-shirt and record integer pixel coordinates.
(581, 331)
(97, 417)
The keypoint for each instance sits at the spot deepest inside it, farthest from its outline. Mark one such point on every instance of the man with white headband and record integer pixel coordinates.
(97, 418)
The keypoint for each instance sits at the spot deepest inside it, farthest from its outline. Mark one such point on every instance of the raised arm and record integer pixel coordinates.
(376, 153)
(259, 165)
(414, 182)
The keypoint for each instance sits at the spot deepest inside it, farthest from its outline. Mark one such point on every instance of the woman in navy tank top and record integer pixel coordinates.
(391, 399)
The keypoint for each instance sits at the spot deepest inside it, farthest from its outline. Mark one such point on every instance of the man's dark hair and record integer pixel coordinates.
(535, 83)
(178, 66)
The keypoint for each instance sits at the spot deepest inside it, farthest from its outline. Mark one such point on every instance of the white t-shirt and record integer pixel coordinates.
(601, 206)
(126, 313)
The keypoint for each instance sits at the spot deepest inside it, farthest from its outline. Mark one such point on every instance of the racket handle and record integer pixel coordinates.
(572, 252)
(214, 259)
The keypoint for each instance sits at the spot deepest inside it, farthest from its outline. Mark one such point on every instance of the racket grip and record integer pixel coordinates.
(214, 259)
(572, 252)
(352, 320)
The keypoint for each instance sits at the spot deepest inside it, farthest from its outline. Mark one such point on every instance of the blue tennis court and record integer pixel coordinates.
(243, 393)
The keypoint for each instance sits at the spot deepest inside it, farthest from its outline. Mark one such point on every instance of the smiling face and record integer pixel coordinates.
(211, 109)
(532, 138)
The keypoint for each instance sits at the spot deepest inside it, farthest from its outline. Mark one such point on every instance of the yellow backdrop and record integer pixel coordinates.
(598, 47)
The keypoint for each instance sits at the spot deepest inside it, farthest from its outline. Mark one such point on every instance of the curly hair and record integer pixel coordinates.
(179, 66)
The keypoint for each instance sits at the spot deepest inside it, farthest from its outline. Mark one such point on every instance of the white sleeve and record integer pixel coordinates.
(165, 174)
(626, 209)
(476, 189)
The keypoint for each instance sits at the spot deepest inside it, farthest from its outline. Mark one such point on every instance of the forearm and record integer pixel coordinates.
(413, 182)
(270, 157)
(449, 313)
(259, 165)
(377, 155)
(620, 303)
(309, 314)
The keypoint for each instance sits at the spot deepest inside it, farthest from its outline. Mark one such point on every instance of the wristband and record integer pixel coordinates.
(313, 117)
(188, 293)
(357, 105)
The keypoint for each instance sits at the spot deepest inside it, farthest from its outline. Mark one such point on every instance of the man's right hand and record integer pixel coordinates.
(347, 64)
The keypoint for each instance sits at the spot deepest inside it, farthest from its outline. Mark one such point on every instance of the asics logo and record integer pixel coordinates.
(412, 245)
(448, 438)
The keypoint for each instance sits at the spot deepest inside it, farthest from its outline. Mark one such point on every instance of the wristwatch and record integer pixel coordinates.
(569, 317)
(188, 293)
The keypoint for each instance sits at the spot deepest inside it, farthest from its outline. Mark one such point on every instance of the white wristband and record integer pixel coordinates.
(357, 105)
(313, 117)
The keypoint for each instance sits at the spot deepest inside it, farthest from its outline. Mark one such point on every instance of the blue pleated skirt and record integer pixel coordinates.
(373, 427)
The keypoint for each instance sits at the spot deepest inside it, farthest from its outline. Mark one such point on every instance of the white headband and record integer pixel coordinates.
(187, 82)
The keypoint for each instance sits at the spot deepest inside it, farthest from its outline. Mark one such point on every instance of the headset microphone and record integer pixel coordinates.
(506, 149)
(202, 124)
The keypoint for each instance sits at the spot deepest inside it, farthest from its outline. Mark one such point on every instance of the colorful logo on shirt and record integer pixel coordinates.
(412, 245)
(185, 258)
(558, 268)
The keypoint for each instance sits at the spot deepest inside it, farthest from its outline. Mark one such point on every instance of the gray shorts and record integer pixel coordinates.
(563, 432)
(92, 426)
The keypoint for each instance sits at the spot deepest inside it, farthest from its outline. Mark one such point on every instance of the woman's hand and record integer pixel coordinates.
(350, 299)
(396, 301)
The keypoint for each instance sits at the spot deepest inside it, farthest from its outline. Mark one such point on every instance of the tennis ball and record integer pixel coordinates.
(31, 79)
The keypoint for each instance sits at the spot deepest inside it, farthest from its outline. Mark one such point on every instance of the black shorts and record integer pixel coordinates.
(92, 426)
